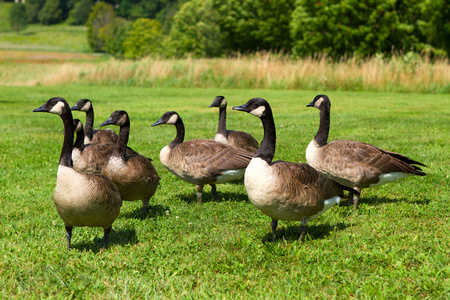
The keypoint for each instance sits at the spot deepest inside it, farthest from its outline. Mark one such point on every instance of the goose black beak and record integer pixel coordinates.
(107, 122)
(310, 105)
(242, 107)
(159, 122)
(75, 107)
(40, 109)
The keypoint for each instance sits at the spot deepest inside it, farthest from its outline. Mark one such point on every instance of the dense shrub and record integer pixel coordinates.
(17, 17)
(143, 38)
(102, 26)
(33, 7)
(196, 30)
(364, 28)
(80, 12)
(51, 13)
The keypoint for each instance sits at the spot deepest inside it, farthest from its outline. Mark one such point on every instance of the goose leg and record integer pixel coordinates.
(106, 232)
(303, 229)
(145, 207)
(274, 228)
(199, 194)
(356, 199)
(214, 191)
(68, 236)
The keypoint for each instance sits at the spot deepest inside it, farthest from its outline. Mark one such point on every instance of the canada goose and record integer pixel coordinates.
(91, 135)
(238, 139)
(133, 174)
(351, 163)
(201, 161)
(81, 199)
(285, 190)
(79, 139)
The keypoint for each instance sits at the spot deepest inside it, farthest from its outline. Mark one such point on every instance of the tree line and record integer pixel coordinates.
(214, 28)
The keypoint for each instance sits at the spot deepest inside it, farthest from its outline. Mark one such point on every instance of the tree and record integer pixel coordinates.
(102, 26)
(196, 30)
(80, 13)
(142, 39)
(17, 17)
(51, 13)
(33, 7)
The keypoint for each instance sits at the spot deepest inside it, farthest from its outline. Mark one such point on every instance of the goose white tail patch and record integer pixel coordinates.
(230, 175)
(329, 203)
(58, 108)
(390, 177)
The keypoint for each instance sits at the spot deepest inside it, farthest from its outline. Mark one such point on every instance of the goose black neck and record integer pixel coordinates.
(79, 140)
(267, 149)
(88, 128)
(65, 158)
(124, 134)
(324, 126)
(222, 129)
(179, 125)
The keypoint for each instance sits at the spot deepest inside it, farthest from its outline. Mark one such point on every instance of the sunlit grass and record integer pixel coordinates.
(394, 246)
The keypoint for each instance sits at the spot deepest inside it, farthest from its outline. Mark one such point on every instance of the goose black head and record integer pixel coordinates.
(255, 106)
(119, 118)
(82, 105)
(55, 105)
(319, 101)
(219, 101)
(168, 118)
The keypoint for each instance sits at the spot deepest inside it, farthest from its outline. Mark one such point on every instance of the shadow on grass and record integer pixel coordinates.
(383, 200)
(208, 197)
(117, 237)
(313, 232)
(154, 211)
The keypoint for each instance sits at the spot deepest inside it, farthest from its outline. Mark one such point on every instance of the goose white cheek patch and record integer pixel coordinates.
(58, 108)
(258, 111)
(173, 119)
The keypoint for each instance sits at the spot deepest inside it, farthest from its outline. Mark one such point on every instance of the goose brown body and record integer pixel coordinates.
(352, 163)
(285, 190)
(238, 139)
(81, 199)
(201, 161)
(134, 174)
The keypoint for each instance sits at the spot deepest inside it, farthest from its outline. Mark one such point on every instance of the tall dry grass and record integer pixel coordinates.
(408, 73)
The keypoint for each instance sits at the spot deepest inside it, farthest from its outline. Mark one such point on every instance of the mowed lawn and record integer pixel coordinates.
(395, 246)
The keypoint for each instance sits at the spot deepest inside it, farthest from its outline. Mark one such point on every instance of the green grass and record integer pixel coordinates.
(395, 246)
(37, 37)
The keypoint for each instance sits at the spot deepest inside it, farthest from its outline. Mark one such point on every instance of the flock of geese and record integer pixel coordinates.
(99, 171)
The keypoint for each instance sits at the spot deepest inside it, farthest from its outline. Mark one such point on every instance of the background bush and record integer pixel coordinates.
(17, 17)
(80, 12)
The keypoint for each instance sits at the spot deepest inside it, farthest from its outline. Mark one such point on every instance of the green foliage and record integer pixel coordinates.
(80, 13)
(17, 17)
(143, 38)
(249, 26)
(196, 30)
(51, 12)
(102, 26)
(435, 26)
(340, 28)
(33, 8)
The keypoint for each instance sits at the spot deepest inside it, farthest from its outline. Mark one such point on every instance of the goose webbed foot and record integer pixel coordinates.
(68, 236)
(274, 228)
(106, 232)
